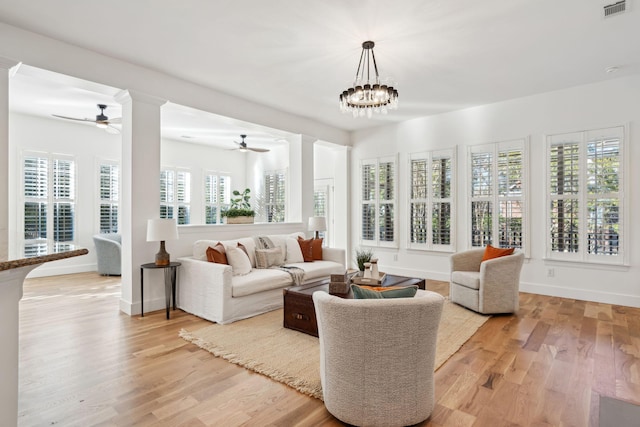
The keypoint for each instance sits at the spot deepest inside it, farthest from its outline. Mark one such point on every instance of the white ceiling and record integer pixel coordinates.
(297, 56)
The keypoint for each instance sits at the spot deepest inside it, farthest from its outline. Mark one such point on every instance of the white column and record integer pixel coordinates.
(307, 179)
(5, 69)
(10, 295)
(301, 180)
(140, 197)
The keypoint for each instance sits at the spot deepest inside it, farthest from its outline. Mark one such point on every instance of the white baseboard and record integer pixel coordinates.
(581, 294)
(52, 270)
(133, 309)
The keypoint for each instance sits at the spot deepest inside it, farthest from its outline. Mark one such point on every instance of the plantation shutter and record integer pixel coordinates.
(36, 184)
(498, 199)
(109, 197)
(217, 196)
(586, 196)
(378, 202)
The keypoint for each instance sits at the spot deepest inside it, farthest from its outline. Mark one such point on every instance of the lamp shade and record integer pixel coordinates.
(317, 223)
(161, 229)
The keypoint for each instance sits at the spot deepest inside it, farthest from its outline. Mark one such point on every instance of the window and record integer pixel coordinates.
(49, 203)
(109, 182)
(274, 185)
(585, 196)
(175, 195)
(378, 202)
(217, 196)
(431, 213)
(498, 196)
(321, 207)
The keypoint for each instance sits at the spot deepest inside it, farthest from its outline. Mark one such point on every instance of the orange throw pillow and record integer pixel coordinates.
(316, 249)
(217, 254)
(490, 252)
(306, 246)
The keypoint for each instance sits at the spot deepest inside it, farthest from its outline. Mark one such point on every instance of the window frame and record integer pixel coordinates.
(495, 198)
(43, 245)
(583, 196)
(429, 157)
(173, 202)
(220, 202)
(376, 202)
(270, 200)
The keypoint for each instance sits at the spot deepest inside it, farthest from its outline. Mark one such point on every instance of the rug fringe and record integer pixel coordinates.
(296, 383)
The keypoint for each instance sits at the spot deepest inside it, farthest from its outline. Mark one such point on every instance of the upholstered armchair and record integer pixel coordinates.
(377, 357)
(108, 253)
(488, 287)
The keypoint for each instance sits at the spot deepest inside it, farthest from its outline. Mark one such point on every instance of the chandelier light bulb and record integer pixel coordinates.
(368, 96)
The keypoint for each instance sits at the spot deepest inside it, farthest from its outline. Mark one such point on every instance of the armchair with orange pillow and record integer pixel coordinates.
(486, 280)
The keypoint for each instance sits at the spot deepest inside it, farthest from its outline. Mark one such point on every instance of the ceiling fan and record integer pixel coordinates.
(102, 121)
(242, 146)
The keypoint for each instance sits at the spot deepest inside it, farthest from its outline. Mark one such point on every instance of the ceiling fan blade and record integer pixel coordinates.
(73, 118)
(112, 130)
(115, 121)
(258, 150)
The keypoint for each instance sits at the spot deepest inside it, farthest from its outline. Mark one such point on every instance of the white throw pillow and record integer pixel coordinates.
(294, 253)
(266, 258)
(239, 261)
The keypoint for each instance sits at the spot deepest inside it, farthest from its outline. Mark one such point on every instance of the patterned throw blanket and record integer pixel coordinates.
(296, 273)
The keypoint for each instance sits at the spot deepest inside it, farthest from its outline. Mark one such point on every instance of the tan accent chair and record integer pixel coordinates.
(487, 287)
(377, 357)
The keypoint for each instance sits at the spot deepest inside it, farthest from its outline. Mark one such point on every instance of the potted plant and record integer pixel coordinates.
(239, 212)
(363, 255)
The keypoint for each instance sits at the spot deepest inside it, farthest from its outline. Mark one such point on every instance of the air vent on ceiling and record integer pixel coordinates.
(615, 8)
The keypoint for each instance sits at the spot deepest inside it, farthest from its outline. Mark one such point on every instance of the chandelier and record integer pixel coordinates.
(367, 95)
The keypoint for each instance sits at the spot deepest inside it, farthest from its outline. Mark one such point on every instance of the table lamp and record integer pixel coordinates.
(159, 230)
(317, 224)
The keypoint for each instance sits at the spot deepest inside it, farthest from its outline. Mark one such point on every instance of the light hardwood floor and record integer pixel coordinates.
(84, 363)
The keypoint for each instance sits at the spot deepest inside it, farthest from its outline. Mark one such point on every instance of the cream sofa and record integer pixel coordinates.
(213, 292)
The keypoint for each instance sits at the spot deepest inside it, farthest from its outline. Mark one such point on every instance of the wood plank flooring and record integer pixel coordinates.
(84, 363)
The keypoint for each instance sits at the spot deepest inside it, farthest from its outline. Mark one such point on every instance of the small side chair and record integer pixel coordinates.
(377, 357)
(108, 254)
(487, 287)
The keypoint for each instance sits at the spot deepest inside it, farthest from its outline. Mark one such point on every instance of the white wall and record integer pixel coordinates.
(87, 144)
(612, 103)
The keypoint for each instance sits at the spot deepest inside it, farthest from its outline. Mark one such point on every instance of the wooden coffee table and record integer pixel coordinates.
(299, 312)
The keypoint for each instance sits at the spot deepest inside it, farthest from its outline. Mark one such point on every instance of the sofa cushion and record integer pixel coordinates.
(468, 279)
(379, 292)
(318, 269)
(238, 261)
(217, 254)
(316, 249)
(266, 258)
(490, 252)
(259, 280)
(294, 253)
(306, 246)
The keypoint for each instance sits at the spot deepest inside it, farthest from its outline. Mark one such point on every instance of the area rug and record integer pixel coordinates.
(263, 345)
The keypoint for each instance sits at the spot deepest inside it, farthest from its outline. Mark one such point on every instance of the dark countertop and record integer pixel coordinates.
(23, 262)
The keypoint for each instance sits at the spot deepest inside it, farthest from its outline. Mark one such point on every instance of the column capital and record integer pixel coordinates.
(128, 95)
(8, 63)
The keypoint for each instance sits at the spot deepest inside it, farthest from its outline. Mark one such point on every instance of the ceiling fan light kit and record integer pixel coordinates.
(367, 95)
